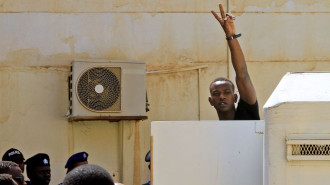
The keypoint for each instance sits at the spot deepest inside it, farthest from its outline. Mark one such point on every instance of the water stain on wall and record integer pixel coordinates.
(4, 93)
(33, 57)
(71, 41)
(279, 6)
(120, 3)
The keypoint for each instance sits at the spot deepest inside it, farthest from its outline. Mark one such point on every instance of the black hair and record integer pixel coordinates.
(222, 79)
(88, 174)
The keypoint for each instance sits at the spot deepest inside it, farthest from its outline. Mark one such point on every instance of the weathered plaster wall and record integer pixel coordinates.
(182, 44)
(283, 36)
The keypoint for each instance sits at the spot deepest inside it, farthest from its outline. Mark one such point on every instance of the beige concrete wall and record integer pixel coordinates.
(184, 49)
(283, 36)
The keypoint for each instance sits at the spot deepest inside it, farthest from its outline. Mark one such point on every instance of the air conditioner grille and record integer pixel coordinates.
(98, 89)
(310, 149)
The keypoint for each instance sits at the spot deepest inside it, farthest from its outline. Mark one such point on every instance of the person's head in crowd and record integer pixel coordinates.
(38, 169)
(76, 160)
(147, 158)
(6, 179)
(88, 174)
(11, 168)
(16, 156)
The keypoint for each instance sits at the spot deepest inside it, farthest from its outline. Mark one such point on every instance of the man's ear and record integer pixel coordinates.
(210, 100)
(235, 97)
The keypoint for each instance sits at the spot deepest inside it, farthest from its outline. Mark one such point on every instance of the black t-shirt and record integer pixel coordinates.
(244, 111)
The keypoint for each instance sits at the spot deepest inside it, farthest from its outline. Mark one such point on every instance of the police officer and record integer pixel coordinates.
(147, 159)
(15, 156)
(76, 160)
(38, 169)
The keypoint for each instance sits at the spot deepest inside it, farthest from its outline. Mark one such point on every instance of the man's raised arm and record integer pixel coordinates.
(243, 81)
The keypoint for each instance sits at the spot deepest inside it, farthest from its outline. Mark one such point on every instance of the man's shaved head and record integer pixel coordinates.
(88, 174)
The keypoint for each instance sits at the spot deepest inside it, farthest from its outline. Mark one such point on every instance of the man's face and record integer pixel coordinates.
(222, 96)
(41, 175)
(17, 175)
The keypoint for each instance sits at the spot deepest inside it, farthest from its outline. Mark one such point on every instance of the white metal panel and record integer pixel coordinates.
(301, 87)
(207, 152)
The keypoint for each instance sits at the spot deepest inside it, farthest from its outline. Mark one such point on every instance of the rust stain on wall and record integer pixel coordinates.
(1, 3)
(115, 53)
(31, 57)
(120, 3)
(4, 94)
(161, 91)
(304, 2)
(279, 6)
(165, 58)
(71, 41)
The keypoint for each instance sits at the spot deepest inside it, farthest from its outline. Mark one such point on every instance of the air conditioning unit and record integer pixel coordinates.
(107, 90)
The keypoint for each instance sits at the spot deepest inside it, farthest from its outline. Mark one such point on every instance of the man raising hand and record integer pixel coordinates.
(222, 90)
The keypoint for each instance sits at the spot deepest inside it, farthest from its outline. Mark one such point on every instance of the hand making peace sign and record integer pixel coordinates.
(226, 21)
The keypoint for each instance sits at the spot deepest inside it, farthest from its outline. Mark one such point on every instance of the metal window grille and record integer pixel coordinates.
(308, 149)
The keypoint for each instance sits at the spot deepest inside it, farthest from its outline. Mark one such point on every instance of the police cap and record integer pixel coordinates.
(39, 159)
(13, 155)
(147, 158)
(75, 158)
